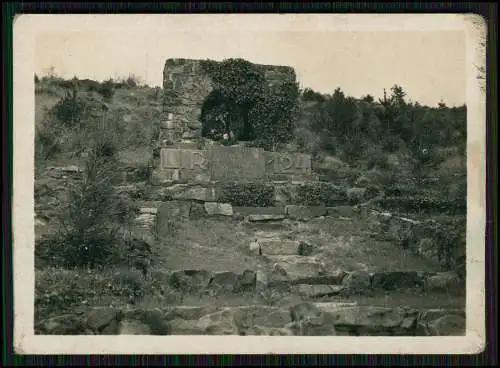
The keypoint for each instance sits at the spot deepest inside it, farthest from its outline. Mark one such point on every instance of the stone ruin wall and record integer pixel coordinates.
(186, 87)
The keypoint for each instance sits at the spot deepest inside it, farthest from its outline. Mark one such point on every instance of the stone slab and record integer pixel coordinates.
(233, 163)
(318, 291)
(265, 217)
(304, 212)
(246, 211)
(214, 208)
(279, 246)
(191, 192)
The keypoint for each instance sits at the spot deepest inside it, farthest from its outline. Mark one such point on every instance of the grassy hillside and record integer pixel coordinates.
(95, 145)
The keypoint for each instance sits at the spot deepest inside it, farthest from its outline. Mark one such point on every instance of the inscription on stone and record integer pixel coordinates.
(172, 158)
(229, 163)
(233, 163)
(288, 163)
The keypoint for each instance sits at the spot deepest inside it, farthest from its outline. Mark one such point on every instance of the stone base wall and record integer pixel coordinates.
(186, 87)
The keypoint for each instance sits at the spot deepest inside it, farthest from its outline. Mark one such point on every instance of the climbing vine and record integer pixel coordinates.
(268, 112)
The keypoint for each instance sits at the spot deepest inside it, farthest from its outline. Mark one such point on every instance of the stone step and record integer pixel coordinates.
(306, 318)
(270, 246)
(317, 291)
(307, 275)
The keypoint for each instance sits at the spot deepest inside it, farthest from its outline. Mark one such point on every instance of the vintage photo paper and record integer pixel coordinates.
(249, 183)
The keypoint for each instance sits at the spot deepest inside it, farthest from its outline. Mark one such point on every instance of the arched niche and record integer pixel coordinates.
(220, 115)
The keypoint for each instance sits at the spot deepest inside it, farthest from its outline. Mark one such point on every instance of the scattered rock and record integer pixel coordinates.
(439, 323)
(296, 270)
(443, 281)
(265, 217)
(357, 282)
(356, 195)
(261, 280)
(133, 328)
(186, 192)
(188, 312)
(190, 280)
(341, 211)
(99, 318)
(305, 248)
(364, 320)
(255, 247)
(246, 281)
(318, 291)
(397, 280)
(427, 248)
(189, 135)
(152, 320)
(197, 210)
(170, 213)
(241, 320)
(66, 324)
(279, 246)
(179, 326)
(146, 220)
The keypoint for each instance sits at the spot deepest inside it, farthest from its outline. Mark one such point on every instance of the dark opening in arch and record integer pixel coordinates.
(220, 115)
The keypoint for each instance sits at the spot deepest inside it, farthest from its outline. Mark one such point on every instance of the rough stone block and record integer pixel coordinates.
(397, 280)
(295, 269)
(188, 192)
(318, 291)
(279, 246)
(305, 213)
(263, 217)
(236, 163)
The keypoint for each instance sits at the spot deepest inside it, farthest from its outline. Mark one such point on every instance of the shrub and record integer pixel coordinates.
(310, 95)
(268, 113)
(91, 236)
(59, 291)
(316, 194)
(49, 141)
(106, 89)
(70, 110)
(133, 81)
(251, 195)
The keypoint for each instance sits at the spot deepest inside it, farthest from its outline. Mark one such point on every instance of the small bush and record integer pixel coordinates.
(106, 89)
(91, 235)
(49, 141)
(70, 110)
(310, 95)
(59, 291)
(320, 193)
(133, 81)
(248, 195)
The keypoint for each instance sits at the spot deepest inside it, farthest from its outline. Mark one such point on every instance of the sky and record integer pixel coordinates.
(429, 64)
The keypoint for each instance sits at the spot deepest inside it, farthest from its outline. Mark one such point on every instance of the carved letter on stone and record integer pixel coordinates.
(170, 159)
(200, 162)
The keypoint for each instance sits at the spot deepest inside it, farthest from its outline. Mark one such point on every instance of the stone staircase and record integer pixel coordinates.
(292, 290)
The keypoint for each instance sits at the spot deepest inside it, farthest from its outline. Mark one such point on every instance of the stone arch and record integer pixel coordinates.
(220, 115)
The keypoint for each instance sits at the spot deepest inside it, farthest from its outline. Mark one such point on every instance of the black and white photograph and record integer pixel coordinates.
(249, 183)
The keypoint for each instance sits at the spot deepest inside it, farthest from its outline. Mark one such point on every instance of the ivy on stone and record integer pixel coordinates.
(268, 112)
